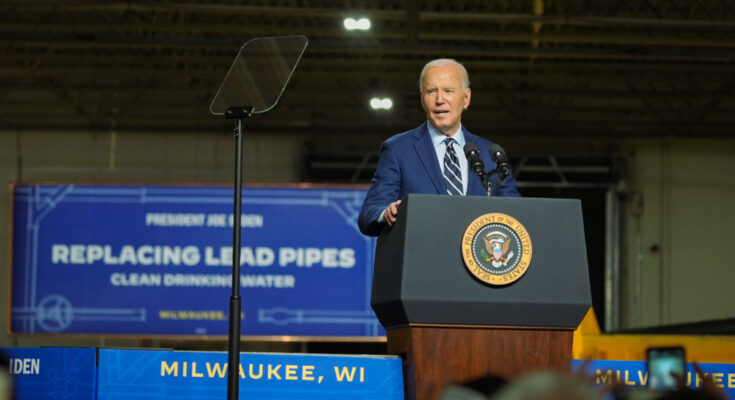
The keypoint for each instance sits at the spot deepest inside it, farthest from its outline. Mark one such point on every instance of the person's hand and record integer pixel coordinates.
(390, 215)
(708, 385)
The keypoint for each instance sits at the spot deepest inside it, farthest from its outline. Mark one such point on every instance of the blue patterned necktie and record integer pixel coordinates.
(452, 173)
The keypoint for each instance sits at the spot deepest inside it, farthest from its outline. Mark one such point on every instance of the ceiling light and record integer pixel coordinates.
(361, 24)
(381, 104)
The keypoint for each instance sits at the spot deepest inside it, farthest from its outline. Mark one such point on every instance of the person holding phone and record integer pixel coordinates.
(663, 363)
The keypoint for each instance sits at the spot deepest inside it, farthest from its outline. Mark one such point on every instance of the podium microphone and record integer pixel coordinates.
(501, 160)
(473, 158)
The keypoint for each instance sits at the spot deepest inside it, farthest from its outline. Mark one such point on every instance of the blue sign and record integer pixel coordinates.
(634, 374)
(145, 260)
(148, 374)
(53, 373)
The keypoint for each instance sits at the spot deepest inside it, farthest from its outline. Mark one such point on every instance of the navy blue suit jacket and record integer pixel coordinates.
(408, 164)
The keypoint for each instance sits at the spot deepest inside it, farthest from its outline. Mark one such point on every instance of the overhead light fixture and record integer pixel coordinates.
(352, 24)
(381, 104)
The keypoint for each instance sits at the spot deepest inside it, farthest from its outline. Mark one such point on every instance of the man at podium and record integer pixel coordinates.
(430, 159)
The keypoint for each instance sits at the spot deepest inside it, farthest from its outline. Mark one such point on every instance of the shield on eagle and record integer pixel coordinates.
(497, 243)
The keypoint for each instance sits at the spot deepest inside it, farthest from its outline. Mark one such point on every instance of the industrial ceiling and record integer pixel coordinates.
(612, 68)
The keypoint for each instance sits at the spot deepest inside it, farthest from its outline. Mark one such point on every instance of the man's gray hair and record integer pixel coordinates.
(441, 62)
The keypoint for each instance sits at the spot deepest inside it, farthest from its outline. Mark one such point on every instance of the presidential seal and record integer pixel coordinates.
(496, 249)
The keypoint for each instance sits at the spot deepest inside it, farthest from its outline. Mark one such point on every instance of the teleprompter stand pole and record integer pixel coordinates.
(233, 355)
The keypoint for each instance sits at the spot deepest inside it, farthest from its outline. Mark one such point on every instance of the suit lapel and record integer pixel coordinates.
(425, 149)
(474, 184)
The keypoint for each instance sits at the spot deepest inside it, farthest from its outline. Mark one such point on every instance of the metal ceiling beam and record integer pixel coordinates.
(62, 44)
(579, 20)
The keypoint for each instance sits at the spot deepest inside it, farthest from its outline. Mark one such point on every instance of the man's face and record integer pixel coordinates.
(443, 97)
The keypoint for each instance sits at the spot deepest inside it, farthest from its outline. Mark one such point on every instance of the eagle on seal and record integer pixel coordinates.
(497, 244)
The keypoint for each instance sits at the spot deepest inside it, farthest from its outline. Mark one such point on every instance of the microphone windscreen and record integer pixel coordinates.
(470, 149)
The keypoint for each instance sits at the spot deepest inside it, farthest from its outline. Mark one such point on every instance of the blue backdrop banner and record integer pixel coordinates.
(53, 373)
(156, 260)
(89, 374)
(146, 374)
(633, 375)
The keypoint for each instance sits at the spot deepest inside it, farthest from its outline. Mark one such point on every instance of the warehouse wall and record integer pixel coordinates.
(680, 242)
(678, 232)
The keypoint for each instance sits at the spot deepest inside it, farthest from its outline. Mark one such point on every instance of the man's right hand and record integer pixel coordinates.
(390, 214)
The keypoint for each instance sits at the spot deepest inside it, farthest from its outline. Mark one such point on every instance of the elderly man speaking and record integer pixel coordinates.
(429, 159)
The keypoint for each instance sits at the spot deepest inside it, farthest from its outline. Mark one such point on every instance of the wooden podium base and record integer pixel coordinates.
(434, 356)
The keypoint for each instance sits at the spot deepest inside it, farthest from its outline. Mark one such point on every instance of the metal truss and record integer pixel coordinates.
(604, 68)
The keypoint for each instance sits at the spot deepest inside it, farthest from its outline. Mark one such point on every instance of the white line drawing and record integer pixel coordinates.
(55, 313)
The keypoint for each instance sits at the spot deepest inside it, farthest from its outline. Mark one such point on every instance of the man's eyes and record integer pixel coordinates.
(434, 90)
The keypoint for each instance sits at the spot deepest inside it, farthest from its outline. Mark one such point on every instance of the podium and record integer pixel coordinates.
(448, 324)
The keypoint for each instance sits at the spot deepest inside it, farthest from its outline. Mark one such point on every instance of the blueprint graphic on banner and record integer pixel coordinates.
(157, 260)
(53, 372)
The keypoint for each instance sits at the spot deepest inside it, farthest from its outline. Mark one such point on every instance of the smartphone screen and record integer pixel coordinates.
(662, 361)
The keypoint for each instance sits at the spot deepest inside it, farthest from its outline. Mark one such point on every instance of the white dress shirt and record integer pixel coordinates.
(441, 149)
